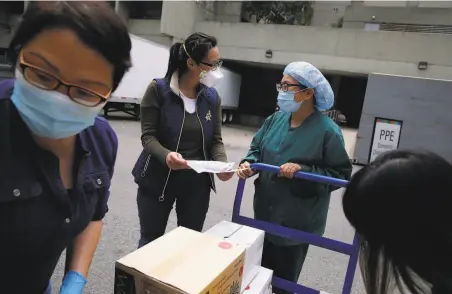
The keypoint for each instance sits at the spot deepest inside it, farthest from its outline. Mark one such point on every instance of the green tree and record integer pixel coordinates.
(280, 12)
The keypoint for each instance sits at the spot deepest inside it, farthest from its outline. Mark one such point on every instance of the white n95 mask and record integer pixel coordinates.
(210, 78)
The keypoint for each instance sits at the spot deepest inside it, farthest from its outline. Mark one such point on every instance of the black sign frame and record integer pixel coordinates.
(376, 119)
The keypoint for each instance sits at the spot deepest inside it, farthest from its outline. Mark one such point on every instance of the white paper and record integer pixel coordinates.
(214, 167)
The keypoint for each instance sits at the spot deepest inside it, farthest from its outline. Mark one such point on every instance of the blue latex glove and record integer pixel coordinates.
(73, 283)
(49, 288)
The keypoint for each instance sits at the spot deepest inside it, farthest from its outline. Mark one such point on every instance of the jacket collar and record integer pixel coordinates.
(174, 84)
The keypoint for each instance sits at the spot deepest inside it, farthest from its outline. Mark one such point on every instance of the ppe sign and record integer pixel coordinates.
(386, 137)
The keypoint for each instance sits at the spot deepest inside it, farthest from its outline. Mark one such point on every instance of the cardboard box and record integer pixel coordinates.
(251, 238)
(182, 261)
(261, 284)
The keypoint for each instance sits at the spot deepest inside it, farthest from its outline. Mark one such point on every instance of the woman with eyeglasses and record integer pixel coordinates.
(57, 156)
(181, 120)
(297, 138)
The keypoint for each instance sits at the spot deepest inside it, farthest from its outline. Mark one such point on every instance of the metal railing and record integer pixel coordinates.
(333, 114)
(416, 28)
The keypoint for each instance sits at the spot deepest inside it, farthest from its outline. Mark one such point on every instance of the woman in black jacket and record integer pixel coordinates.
(181, 120)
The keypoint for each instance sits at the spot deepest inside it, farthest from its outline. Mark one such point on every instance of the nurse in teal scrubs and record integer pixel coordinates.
(297, 138)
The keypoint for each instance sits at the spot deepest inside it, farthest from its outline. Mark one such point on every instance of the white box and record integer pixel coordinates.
(251, 238)
(261, 284)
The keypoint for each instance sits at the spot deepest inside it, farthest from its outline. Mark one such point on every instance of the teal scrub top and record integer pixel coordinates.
(318, 147)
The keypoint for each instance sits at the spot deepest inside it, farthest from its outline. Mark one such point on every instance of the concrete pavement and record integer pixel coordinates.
(323, 270)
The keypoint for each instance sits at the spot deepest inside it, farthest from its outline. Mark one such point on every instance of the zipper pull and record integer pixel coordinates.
(161, 198)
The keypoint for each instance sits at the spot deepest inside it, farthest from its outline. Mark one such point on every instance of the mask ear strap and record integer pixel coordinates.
(185, 49)
(186, 52)
(203, 72)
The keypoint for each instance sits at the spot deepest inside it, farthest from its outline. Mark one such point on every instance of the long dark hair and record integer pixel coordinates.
(197, 45)
(400, 207)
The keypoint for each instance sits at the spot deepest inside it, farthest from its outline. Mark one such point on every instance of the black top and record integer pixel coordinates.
(161, 118)
(190, 145)
(38, 218)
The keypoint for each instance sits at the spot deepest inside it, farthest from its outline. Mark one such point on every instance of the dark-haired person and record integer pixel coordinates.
(400, 206)
(297, 138)
(181, 120)
(57, 157)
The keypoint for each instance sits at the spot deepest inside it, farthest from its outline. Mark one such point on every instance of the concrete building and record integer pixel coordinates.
(347, 40)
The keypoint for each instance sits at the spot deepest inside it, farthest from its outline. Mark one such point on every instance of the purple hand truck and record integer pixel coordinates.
(345, 248)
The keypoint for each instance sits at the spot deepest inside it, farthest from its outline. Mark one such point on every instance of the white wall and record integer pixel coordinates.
(179, 17)
(149, 29)
(423, 14)
(385, 3)
(436, 4)
(228, 11)
(327, 13)
(335, 49)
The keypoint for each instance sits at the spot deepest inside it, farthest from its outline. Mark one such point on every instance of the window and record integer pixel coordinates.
(145, 9)
(372, 27)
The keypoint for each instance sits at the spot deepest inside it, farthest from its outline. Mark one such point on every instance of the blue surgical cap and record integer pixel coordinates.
(309, 76)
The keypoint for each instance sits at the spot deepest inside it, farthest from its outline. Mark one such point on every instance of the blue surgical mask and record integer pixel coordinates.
(50, 114)
(287, 103)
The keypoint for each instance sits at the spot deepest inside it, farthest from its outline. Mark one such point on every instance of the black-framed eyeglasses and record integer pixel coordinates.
(46, 81)
(215, 65)
(284, 87)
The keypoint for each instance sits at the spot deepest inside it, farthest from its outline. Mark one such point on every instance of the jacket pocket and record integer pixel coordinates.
(95, 184)
(150, 174)
(18, 181)
(18, 190)
(141, 166)
(298, 214)
(304, 189)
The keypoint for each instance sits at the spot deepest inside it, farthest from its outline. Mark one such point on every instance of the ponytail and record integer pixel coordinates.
(196, 47)
(174, 59)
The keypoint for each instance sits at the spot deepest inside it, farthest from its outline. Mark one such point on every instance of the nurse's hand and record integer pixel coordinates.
(245, 170)
(73, 283)
(175, 161)
(287, 170)
(225, 176)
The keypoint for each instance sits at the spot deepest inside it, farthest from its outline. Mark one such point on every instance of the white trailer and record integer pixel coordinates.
(149, 61)
(229, 90)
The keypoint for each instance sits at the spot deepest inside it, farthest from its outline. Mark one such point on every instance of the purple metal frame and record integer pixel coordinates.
(345, 248)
